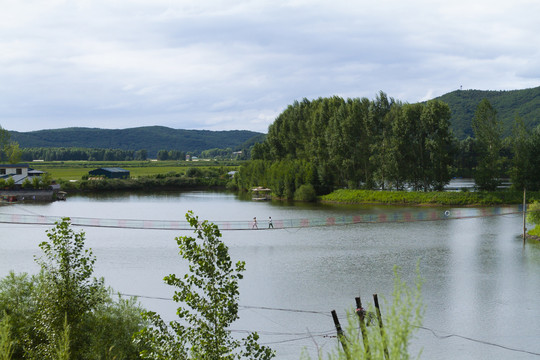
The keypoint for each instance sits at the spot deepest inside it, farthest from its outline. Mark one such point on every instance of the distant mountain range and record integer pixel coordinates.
(509, 104)
(151, 138)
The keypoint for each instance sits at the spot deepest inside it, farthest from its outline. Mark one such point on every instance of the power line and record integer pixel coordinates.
(240, 306)
(442, 337)
(304, 336)
(287, 310)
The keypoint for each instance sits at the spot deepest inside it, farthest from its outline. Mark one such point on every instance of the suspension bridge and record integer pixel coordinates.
(362, 218)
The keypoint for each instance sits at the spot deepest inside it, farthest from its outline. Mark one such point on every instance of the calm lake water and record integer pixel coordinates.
(481, 283)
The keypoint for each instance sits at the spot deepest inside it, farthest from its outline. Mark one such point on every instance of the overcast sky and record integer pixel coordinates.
(223, 65)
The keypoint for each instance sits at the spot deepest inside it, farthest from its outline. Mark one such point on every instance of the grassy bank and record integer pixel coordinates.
(75, 170)
(144, 175)
(146, 183)
(428, 198)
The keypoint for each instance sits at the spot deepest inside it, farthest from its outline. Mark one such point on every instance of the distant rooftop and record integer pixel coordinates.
(114, 169)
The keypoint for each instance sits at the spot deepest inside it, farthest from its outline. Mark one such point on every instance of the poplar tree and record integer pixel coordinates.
(435, 119)
(487, 131)
(209, 294)
(68, 291)
(521, 144)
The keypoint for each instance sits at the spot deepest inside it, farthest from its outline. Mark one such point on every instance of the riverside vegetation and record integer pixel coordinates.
(145, 175)
(382, 144)
(432, 198)
(316, 147)
(65, 313)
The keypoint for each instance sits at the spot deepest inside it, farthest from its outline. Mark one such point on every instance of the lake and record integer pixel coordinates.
(481, 288)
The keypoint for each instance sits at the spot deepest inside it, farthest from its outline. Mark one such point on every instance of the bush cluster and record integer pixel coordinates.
(428, 198)
(64, 312)
(193, 178)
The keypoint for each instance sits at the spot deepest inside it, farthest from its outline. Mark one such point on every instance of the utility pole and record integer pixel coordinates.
(361, 316)
(524, 215)
(381, 328)
(341, 335)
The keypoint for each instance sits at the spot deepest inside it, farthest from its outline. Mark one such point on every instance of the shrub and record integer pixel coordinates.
(6, 344)
(27, 184)
(10, 183)
(63, 312)
(194, 172)
(401, 319)
(305, 192)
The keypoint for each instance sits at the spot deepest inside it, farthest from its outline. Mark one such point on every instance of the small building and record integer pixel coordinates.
(19, 172)
(110, 173)
(14, 169)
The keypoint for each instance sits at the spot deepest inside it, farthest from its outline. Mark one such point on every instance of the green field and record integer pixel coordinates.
(75, 170)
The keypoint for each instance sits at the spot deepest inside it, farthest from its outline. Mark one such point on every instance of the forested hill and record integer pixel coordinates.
(151, 138)
(523, 103)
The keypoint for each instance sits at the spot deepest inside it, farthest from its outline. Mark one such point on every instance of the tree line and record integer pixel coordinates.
(383, 143)
(92, 154)
(88, 154)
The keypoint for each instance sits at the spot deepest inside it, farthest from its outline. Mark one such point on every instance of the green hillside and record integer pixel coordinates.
(151, 138)
(524, 103)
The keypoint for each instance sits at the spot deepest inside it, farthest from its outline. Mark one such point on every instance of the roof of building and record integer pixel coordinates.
(18, 179)
(112, 169)
(13, 165)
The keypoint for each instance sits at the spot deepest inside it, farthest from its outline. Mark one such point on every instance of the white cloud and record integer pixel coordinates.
(237, 64)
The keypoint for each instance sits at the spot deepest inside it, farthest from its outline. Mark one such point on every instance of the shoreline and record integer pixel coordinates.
(427, 199)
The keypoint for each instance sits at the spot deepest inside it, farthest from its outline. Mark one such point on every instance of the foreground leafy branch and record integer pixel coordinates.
(209, 294)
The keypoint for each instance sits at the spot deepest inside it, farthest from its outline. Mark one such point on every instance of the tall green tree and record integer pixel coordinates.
(466, 157)
(379, 130)
(141, 154)
(521, 148)
(210, 294)
(384, 150)
(163, 155)
(64, 310)
(13, 153)
(357, 136)
(9, 150)
(435, 119)
(487, 131)
(68, 290)
(533, 174)
(409, 141)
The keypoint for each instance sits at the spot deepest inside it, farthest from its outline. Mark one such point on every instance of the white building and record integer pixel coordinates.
(19, 172)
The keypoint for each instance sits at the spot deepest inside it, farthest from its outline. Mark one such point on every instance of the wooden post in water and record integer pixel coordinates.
(524, 216)
(383, 335)
(341, 337)
(361, 315)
